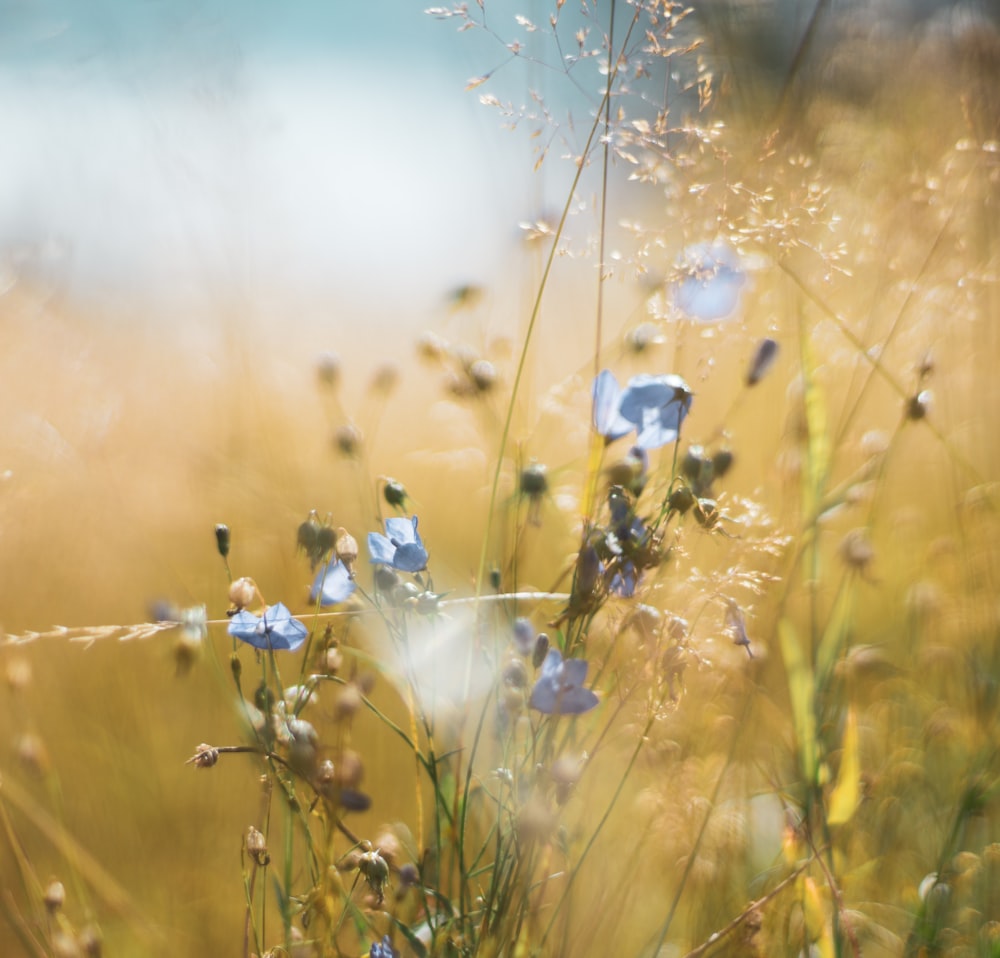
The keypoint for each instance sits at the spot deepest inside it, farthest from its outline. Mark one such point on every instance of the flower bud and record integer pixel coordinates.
(242, 593)
(919, 405)
(222, 539)
(681, 500)
(483, 375)
(541, 650)
(348, 439)
(328, 369)
(375, 871)
(534, 481)
(394, 494)
(347, 549)
(55, 896)
(257, 847)
(763, 359)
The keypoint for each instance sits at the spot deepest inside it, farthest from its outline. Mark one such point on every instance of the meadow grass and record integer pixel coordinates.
(776, 571)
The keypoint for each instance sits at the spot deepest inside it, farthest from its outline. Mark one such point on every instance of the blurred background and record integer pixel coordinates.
(201, 200)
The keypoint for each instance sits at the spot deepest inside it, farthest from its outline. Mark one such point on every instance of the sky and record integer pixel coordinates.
(172, 151)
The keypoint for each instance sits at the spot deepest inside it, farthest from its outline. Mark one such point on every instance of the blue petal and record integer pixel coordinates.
(276, 629)
(333, 584)
(411, 557)
(645, 392)
(401, 530)
(711, 289)
(380, 548)
(244, 625)
(607, 420)
(623, 583)
(558, 691)
(281, 630)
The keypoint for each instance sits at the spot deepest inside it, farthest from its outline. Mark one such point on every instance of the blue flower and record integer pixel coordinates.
(624, 581)
(559, 689)
(274, 629)
(607, 396)
(383, 949)
(654, 406)
(333, 584)
(711, 283)
(401, 546)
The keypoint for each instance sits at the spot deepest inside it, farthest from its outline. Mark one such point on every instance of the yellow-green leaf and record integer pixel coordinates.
(846, 793)
(801, 691)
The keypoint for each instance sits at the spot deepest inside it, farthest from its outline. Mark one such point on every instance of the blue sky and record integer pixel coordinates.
(168, 150)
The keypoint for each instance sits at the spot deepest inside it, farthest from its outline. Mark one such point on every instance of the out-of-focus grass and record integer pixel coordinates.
(133, 443)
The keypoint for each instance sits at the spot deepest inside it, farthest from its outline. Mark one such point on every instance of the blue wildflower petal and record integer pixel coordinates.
(380, 548)
(559, 690)
(243, 626)
(383, 949)
(411, 557)
(660, 422)
(333, 584)
(608, 421)
(275, 629)
(644, 392)
(624, 581)
(401, 547)
(401, 530)
(713, 282)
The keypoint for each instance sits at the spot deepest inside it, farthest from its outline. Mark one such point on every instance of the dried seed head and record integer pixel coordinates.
(535, 821)
(681, 499)
(919, 405)
(375, 871)
(348, 439)
(351, 769)
(534, 481)
(18, 674)
(205, 756)
(325, 539)
(431, 346)
(347, 549)
(328, 369)
(187, 648)
(333, 660)
(64, 945)
(348, 702)
(32, 754)
(385, 579)
(55, 896)
(242, 593)
(515, 674)
(385, 378)
(722, 462)
(566, 772)
(856, 549)
(394, 493)
(91, 941)
(483, 375)
(388, 844)
(222, 539)
(257, 847)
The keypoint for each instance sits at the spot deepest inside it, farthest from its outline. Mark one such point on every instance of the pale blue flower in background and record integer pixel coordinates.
(333, 584)
(712, 281)
(559, 689)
